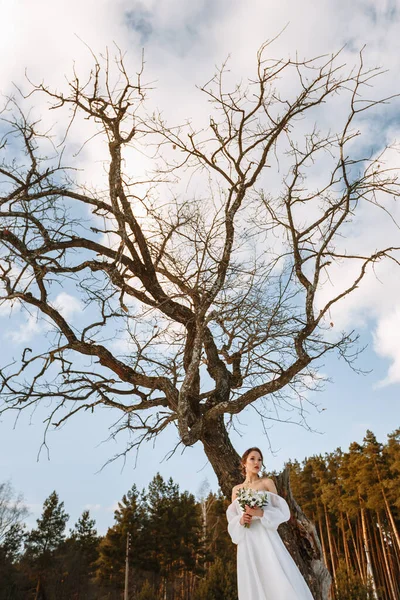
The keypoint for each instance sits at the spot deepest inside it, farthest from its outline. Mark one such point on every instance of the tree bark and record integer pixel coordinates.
(321, 535)
(39, 592)
(370, 572)
(391, 519)
(357, 554)
(388, 574)
(331, 549)
(222, 455)
(345, 544)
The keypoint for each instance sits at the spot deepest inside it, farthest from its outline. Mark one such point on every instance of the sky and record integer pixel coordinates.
(183, 41)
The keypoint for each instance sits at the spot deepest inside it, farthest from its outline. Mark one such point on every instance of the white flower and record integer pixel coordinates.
(251, 498)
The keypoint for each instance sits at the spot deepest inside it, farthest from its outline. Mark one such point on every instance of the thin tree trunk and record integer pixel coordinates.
(37, 595)
(385, 557)
(361, 549)
(357, 554)
(331, 551)
(388, 509)
(370, 573)
(345, 545)
(40, 593)
(321, 535)
(391, 520)
(378, 561)
(395, 569)
(395, 549)
(165, 589)
(336, 546)
(204, 519)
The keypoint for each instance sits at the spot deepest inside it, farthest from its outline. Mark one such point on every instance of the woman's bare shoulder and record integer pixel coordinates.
(269, 485)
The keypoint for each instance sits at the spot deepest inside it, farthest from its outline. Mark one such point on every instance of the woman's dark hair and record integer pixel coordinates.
(244, 458)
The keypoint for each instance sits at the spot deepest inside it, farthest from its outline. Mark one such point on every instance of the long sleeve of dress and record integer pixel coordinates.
(235, 529)
(275, 512)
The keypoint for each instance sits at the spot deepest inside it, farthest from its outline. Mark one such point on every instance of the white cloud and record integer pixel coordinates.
(26, 330)
(386, 344)
(8, 308)
(374, 304)
(33, 325)
(113, 507)
(183, 41)
(93, 507)
(67, 305)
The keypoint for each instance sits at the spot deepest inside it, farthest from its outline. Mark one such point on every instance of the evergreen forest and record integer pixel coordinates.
(178, 547)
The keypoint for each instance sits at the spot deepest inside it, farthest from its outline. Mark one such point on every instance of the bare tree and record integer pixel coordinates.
(12, 510)
(216, 285)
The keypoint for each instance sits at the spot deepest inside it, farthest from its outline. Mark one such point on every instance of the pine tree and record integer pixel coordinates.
(85, 535)
(76, 559)
(392, 455)
(49, 533)
(147, 592)
(130, 517)
(175, 535)
(350, 585)
(218, 543)
(43, 541)
(353, 498)
(13, 540)
(219, 583)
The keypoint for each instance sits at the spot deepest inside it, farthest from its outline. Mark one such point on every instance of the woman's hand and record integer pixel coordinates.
(246, 519)
(254, 512)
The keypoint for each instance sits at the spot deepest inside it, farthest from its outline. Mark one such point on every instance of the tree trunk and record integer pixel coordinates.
(345, 545)
(394, 568)
(389, 577)
(331, 549)
(40, 594)
(321, 535)
(37, 595)
(360, 569)
(391, 519)
(388, 510)
(298, 534)
(222, 455)
(204, 520)
(378, 561)
(370, 573)
(360, 545)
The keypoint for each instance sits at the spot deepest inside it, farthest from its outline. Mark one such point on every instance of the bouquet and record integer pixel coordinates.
(251, 498)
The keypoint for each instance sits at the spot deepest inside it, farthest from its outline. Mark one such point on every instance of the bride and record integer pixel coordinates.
(265, 569)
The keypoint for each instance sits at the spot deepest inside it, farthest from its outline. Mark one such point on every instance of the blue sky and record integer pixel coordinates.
(183, 42)
(352, 403)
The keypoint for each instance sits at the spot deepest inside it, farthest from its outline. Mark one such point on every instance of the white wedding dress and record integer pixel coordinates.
(265, 569)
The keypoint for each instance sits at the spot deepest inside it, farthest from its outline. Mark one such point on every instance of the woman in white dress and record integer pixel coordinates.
(265, 569)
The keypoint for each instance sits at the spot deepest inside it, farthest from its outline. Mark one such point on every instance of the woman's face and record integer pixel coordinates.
(253, 463)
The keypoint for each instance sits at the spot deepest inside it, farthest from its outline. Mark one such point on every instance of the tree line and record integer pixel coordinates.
(353, 499)
(179, 549)
(178, 546)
